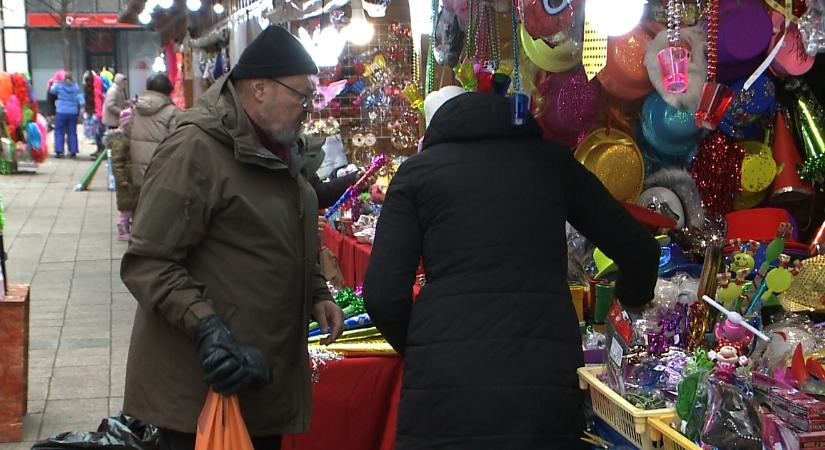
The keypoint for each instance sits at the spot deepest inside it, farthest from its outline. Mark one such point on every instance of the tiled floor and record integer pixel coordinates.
(63, 243)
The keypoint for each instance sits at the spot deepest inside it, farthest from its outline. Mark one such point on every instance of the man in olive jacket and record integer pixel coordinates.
(223, 256)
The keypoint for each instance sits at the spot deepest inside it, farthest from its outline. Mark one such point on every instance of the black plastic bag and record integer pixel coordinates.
(114, 433)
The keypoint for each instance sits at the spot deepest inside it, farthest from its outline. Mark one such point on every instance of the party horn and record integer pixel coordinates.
(604, 298)
(736, 318)
(90, 174)
(374, 166)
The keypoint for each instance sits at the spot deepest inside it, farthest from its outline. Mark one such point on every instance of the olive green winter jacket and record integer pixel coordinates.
(222, 226)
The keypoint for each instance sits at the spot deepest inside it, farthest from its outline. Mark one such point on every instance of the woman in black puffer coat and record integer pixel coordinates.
(492, 343)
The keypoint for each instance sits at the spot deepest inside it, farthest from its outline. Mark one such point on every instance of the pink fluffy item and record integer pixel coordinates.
(99, 96)
(14, 111)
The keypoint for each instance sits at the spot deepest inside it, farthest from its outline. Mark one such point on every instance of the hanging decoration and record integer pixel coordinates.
(465, 72)
(787, 185)
(777, 47)
(674, 60)
(810, 120)
(693, 38)
(449, 38)
(429, 82)
(716, 97)
(594, 55)
(716, 170)
(811, 28)
(520, 101)
(545, 18)
(571, 105)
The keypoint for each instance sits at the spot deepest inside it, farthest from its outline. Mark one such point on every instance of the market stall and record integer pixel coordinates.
(24, 129)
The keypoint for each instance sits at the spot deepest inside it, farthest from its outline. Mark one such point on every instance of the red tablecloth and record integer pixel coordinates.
(354, 406)
(353, 256)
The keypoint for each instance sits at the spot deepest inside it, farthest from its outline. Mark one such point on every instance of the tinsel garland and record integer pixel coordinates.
(318, 358)
(351, 303)
(716, 170)
(346, 297)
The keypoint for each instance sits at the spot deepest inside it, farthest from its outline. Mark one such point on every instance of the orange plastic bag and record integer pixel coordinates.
(221, 425)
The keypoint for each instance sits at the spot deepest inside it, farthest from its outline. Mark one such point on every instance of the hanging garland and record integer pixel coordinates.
(516, 73)
(429, 83)
(713, 39)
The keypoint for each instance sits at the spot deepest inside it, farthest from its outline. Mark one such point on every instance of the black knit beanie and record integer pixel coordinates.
(274, 53)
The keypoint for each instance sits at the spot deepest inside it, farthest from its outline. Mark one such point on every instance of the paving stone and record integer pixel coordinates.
(73, 415)
(73, 357)
(80, 382)
(62, 242)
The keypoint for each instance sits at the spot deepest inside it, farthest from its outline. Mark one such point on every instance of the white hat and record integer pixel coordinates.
(437, 98)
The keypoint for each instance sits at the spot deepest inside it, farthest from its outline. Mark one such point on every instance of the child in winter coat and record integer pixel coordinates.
(126, 192)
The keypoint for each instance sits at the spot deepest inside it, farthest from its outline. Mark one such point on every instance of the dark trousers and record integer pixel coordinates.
(65, 124)
(99, 137)
(175, 440)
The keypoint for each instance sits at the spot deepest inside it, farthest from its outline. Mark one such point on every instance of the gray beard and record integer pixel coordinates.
(285, 137)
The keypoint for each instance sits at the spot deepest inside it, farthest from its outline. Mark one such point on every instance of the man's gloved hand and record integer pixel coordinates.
(227, 366)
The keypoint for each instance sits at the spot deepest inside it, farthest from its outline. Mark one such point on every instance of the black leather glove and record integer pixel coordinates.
(227, 366)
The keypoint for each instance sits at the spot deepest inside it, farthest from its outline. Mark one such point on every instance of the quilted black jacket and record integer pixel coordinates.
(492, 343)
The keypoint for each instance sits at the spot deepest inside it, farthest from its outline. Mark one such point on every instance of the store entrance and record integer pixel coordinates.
(101, 50)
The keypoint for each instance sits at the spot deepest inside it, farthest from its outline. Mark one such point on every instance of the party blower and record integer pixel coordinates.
(736, 318)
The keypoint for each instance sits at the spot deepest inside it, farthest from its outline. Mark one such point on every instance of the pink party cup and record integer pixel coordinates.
(674, 64)
(714, 102)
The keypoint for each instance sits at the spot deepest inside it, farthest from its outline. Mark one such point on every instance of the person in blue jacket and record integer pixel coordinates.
(69, 103)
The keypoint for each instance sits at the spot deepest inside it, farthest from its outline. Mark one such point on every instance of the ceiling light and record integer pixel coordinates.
(359, 31)
(159, 65)
(614, 17)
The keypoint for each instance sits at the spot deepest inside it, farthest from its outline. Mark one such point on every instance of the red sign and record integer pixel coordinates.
(77, 20)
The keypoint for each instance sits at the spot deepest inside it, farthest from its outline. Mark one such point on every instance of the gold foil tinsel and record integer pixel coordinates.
(701, 315)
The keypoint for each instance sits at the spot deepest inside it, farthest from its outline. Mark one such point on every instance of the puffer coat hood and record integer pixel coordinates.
(153, 120)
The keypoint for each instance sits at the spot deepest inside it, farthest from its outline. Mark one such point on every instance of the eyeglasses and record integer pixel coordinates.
(306, 99)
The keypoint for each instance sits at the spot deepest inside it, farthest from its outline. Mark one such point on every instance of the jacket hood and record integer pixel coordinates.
(120, 79)
(150, 102)
(219, 113)
(477, 116)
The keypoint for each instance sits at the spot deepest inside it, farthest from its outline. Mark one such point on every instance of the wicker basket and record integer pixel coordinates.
(626, 419)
